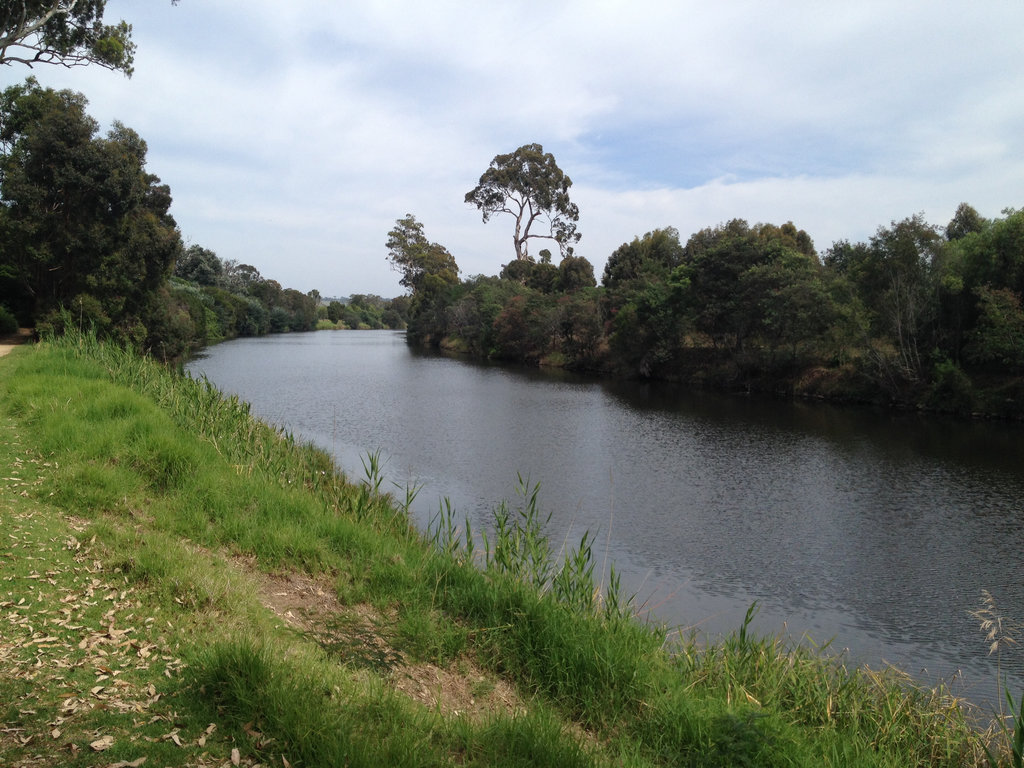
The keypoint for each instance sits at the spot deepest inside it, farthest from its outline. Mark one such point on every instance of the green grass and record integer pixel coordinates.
(157, 532)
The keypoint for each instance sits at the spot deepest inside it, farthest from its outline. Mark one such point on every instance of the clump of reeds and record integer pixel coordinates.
(1000, 632)
(519, 549)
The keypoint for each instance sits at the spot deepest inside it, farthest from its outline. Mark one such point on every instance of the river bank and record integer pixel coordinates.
(183, 581)
(982, 396)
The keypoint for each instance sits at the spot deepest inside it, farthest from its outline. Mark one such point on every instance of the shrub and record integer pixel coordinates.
(8, 322)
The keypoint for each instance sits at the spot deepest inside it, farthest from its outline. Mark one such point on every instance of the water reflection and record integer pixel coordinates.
(877, 529)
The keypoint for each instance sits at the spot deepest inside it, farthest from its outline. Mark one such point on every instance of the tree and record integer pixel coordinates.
(424, 265)
(574, 274)
(736, 269)
(335, 310)
(904, 259)
(998, 338)
(199, 265)
(965, 221)
(529, 186)
(66, 32)
(653, 256)
(428, 270)
(82, 223)
(239, 278)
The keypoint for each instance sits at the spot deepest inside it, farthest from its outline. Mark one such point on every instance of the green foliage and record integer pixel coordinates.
(8, 322)
(965, 221)
(998, 336)
(751, 307)
(528, 185)
(650, 258)
(426, 267)
(199, 265)
(950, 389)
(113, 244)
(334, 311)
(428, 270)
(574, 274)
(69, 34)
(735, 273)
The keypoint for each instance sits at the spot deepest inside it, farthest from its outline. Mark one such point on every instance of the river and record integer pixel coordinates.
(872, 530)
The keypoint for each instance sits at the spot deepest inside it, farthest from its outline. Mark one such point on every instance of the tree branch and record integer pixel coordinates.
(23, 30)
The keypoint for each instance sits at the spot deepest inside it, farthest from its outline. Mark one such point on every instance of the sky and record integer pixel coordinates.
(294, 134)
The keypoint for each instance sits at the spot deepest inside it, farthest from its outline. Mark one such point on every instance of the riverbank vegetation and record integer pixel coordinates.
(184, 584)
(89, 243)
(918, 316)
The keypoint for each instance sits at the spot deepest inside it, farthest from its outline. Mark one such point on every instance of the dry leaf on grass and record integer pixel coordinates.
(103, 743)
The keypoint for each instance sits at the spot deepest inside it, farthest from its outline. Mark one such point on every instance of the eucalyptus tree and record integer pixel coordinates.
(70, 33)
(66, 32)
(529, 186)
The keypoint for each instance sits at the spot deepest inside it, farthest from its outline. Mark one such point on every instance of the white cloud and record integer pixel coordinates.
(294, 134)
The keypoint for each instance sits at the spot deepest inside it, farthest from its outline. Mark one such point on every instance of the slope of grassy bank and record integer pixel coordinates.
(183, 585)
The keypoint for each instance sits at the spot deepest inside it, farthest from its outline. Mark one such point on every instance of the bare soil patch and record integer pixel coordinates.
(358, 635)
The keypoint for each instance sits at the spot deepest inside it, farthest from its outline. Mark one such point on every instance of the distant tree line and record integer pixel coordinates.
(918, 316)
(213, 300)
(86, 240)
(366, 312)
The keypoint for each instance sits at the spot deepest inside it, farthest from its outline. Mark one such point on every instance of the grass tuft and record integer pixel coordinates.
(156, 533)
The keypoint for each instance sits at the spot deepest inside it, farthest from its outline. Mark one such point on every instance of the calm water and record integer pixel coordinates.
(874, 530)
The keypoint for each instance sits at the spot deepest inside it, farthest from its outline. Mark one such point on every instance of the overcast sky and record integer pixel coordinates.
(293, 134)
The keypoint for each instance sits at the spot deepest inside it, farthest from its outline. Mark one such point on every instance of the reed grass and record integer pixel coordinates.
(176, 482)
(1001, 634)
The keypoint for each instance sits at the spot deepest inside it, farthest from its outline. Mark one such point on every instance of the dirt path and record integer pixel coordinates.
(7, 343)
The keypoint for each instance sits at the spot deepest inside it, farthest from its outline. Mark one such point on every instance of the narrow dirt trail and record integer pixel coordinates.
(7, 343)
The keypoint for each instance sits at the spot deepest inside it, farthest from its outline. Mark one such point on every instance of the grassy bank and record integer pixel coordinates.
(181, 583)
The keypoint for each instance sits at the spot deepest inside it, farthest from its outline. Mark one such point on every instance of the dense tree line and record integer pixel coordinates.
(86, 239)
(366, 312)
(213, 300)
(918, 315)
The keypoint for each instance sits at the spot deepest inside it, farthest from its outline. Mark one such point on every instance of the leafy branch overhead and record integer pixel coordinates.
(529, 186)
(66, 32)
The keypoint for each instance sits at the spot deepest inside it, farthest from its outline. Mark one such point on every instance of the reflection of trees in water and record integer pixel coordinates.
(877, 528)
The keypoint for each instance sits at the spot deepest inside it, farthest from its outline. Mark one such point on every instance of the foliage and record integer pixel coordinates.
(966, 221)
(334, 311)
(8, 322)
(88, 241)
(998, 336)
(909, 317)
(368, 311)
(429, 272)
(528, 185)
(84, 225)
(425, 266)
(66, 32)
(199, 265)
(651, 257)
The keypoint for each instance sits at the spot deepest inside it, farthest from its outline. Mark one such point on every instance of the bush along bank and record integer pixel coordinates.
(916, 317)
(185, 584)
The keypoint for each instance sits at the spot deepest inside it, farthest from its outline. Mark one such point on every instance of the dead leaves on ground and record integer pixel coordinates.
(72, 638)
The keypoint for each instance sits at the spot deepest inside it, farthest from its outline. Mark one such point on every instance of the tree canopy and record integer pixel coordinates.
(66, 32)
(83, 225)
(424, 265)
(529, 186)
